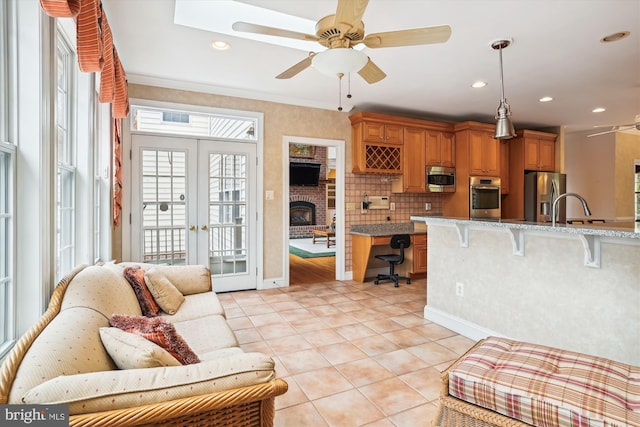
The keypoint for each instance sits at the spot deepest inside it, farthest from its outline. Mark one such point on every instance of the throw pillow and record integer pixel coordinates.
(135, 277)
(131, 351)
(159, 331)
(168, 297)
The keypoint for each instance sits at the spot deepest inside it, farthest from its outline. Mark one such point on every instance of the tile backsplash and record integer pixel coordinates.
(406, 204)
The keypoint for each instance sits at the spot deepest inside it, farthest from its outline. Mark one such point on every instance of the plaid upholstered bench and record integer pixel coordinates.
(501, 382)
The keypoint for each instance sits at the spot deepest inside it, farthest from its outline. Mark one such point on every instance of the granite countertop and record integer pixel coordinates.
(624, 230)
(386, 229)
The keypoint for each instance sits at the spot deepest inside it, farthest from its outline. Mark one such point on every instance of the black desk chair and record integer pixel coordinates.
(398, 241)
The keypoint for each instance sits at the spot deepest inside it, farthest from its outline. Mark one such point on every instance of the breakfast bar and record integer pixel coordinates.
(575, 287)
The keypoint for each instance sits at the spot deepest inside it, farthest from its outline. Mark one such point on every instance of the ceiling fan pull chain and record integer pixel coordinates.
(340, 75)
(349, 86)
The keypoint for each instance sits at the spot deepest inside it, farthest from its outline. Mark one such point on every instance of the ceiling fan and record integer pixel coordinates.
(635, 125)
(339, 33)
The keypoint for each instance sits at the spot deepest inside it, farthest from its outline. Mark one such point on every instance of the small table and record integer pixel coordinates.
(323, 233)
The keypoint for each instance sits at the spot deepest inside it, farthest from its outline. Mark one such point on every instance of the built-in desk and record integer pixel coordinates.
(368, 240)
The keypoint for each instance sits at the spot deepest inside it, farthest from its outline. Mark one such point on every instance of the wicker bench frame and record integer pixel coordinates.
(252, 406)
(453, 412)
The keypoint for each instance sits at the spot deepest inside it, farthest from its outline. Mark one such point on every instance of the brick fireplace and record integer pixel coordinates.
(306, 212)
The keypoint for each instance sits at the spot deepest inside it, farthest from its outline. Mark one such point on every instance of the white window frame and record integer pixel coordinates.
(65, 195)
(7, 178)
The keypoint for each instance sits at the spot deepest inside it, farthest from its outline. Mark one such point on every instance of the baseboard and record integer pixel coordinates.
(273, 283)
(459, 325)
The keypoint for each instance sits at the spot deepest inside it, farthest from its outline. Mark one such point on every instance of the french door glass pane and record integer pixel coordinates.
(164, 217)
(227, 213)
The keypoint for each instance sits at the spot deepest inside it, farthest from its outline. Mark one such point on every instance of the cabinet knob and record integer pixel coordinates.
(192, 228)
(204, 228)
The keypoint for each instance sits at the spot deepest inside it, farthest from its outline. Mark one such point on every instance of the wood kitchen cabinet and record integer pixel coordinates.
(528, 151)
(539, 152)
(381, 132)
(413, 176)
(504, 167)
(387, 144)
(440, 149)
(419, 254)
(484, 154)
(477, 153)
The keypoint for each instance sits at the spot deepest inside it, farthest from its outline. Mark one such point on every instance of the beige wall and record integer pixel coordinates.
(279, 120)
(600, 169)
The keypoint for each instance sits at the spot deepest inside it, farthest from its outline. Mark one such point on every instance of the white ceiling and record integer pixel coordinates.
(556, 51)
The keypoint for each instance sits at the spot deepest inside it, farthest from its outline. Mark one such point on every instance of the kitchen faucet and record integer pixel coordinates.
(587, 212)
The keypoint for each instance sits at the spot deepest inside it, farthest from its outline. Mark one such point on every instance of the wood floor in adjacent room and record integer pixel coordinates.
(311, 270)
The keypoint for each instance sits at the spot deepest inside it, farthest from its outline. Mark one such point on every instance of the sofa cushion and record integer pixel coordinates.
(196, 306)
(102, 391)
(218, 354)
(546, 386)
(168, 297)
(69, 345)
(131, 351)
(189, 279)
(135, 277)
(158, 331)
(207, 334)
(104, 289)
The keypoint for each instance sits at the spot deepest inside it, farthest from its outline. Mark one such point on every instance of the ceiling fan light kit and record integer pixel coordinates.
(339, 60)
(504, 125)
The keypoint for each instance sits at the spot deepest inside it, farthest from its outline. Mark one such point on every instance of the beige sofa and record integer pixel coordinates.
(62, 359)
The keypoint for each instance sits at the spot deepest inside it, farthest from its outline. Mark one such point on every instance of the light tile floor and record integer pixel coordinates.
(354, 354)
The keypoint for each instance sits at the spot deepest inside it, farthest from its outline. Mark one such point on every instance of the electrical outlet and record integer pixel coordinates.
(459, 289)
(392, 206)
(427, 206)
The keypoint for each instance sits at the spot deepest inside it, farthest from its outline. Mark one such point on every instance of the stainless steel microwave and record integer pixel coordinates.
(441, 179)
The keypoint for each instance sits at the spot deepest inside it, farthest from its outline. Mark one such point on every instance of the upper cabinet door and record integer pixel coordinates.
(380, 132)
(440, 149)
(547, 155)
(531, 160)
(484, 155)
(413, 160)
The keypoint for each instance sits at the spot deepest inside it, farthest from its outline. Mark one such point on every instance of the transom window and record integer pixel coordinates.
(148, 119)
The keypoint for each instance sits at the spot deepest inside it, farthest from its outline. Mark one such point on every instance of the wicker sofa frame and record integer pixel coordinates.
(453, 412)
(252, 406)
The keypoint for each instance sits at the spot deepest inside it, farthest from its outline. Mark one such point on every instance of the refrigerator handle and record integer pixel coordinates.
(554, 196)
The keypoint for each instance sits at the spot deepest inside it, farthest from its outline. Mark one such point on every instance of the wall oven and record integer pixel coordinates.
(441, 179)
(484, 197)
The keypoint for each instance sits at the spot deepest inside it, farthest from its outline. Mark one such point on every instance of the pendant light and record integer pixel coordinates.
(504, 126)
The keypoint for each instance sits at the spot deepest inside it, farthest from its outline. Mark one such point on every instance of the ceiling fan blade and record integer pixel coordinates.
(371, 73)
(300, 66)
(349, 14)
(614, 129)
(246, 27)
(416, 36)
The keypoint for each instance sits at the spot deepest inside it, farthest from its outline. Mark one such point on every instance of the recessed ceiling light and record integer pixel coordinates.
(598, 110)
(478, 84)
(614, 37)
(546, 99)
(220, 45)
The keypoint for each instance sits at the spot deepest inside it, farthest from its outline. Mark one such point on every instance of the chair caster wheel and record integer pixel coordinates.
(409, 282)
(375, 282)
(396, 286)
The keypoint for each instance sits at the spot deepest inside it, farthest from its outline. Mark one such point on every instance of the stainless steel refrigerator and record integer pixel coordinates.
(540, 190)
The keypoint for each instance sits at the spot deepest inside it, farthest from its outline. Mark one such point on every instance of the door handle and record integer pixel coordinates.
(192, 228)
(204, 227)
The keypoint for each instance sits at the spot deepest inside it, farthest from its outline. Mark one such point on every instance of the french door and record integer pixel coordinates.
(193, 202)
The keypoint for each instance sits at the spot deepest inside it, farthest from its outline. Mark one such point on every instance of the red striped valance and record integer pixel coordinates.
(61, 8)
(95, 49)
